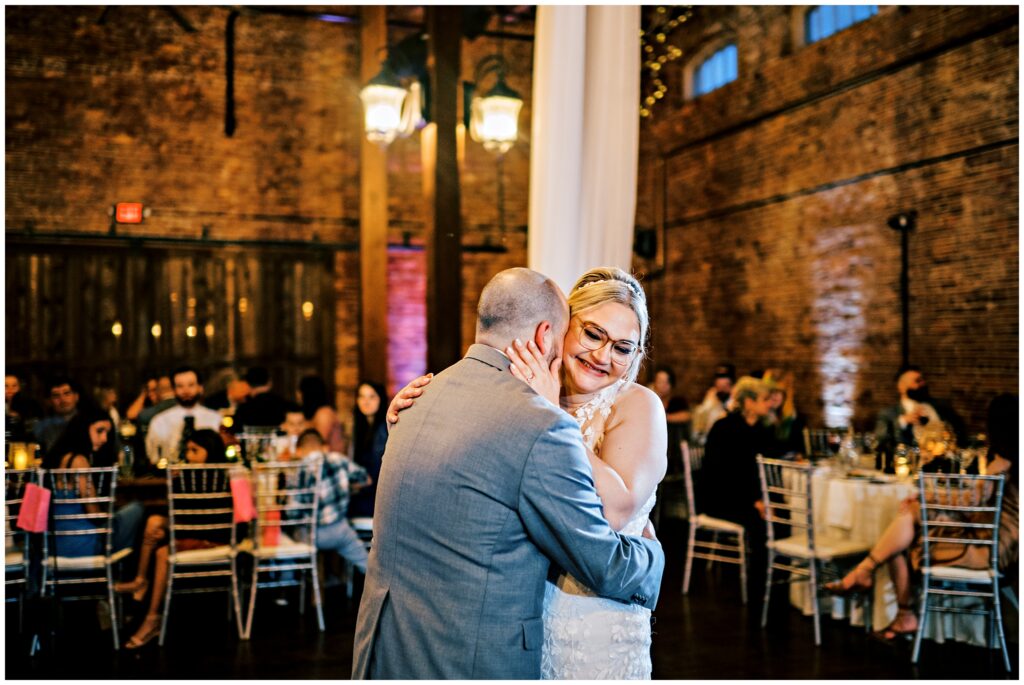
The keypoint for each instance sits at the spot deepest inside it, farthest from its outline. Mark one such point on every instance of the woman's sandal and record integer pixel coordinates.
(137, 588)
(859, 584)
(892, 632)
(137, 641)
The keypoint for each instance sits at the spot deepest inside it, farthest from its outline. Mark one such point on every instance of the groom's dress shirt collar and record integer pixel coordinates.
(489, 355)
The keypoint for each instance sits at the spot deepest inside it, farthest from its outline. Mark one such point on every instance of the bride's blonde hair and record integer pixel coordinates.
(612, 284)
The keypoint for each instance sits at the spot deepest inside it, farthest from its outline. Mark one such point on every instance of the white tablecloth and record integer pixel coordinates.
(861, 509)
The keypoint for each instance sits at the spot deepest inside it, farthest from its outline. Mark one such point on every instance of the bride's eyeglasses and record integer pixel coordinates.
(594, 338)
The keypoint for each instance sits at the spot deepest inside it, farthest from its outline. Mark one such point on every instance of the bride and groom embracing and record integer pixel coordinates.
(489, 490)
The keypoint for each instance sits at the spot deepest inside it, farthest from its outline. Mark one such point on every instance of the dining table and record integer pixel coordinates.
(859, 505)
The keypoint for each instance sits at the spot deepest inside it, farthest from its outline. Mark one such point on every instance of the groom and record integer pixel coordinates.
(484, 483)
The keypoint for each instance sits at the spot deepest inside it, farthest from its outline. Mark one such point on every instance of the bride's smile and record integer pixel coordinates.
(599, 347)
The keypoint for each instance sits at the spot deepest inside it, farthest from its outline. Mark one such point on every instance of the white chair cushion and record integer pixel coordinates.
(211, 554)
(967, 575)
(82, 563)
(285, 548)
(711, 522)
(824, 547)
(14, 558)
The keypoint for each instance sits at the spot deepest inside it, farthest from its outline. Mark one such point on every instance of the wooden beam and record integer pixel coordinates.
(441, 187)
(373, 216)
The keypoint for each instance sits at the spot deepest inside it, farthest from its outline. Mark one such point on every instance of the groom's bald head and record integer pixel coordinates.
(515, 303)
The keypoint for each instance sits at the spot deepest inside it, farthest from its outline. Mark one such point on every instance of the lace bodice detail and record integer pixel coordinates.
(592, 414)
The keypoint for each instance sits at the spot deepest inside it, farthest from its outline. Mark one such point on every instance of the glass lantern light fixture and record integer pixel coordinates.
(493, 118)
(390, 108)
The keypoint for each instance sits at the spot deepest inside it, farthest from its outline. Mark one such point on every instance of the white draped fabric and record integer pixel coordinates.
(585, 139)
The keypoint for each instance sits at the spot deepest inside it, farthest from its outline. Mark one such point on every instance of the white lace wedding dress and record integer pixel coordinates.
(586, 636)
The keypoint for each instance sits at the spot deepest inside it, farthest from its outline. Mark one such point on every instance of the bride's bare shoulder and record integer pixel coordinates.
(639, 400)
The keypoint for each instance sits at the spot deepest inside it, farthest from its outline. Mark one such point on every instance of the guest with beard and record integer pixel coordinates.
(917, 414)
(164, 440)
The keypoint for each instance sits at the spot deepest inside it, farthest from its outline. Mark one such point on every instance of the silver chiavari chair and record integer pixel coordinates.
(16, 542)
(731, 550)
(200, 505)
(284, 539)
(82, 521)
(808, 556)
(822, 443)
(363, 526)
(962, 510)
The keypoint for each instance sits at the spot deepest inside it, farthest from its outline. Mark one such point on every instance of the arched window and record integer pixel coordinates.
(824, 20)
(717, 70)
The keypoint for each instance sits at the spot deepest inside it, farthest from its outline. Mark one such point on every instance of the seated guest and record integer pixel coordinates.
(714, 405)
(677, 413)
(369, 438)
(916, 415)
(338, 477)
(730, 487)
(164, 437)
(218, 390)
(786, 423)
(20, 409)
(63, 403)
(106, 398)
(264, 407)
(901, 545)
(85, 444)
(294, 425)
(146, 398)
(319, 411)
(203, 447)
(164, 401)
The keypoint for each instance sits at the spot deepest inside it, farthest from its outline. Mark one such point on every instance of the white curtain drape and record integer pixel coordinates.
(585, 139)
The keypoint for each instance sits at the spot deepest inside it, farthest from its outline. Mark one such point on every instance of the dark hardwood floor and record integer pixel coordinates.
(707, 635)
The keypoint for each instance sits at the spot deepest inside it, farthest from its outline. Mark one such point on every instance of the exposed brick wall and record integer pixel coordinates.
(134, 110)
(777, 191)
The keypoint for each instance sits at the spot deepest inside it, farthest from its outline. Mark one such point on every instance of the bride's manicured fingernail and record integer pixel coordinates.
(519, 343)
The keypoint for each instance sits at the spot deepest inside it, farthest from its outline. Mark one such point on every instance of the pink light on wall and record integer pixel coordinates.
(407, 317)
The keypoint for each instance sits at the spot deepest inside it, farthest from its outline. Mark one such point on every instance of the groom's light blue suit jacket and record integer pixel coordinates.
(484, 484)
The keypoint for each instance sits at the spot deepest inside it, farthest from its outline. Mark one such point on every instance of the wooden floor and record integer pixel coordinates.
(707, 635)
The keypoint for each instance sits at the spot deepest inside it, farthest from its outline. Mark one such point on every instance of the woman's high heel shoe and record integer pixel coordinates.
(148, 631)
(897, 628)
(860, 579)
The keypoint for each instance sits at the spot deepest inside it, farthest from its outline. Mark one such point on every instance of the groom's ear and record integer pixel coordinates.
(541, 335)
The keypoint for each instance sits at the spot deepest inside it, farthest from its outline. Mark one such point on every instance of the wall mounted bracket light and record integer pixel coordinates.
(492, 118)
(393, 106)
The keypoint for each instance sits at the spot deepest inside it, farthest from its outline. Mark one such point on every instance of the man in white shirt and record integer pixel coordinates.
(163, 440)
(714, 405)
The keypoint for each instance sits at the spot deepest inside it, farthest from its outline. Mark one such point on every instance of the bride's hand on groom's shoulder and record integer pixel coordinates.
(406, 397)
(529, 366)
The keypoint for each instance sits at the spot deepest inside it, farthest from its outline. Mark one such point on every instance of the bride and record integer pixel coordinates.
(624, 430)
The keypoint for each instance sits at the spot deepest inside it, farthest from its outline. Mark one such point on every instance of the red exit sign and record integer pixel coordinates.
(128, 212)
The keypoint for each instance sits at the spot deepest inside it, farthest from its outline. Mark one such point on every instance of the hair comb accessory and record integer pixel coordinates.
(590, 283)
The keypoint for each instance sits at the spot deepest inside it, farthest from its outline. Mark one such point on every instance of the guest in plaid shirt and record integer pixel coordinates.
(339, 476)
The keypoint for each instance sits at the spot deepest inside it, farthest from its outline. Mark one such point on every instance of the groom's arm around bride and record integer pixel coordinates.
(562, 514)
